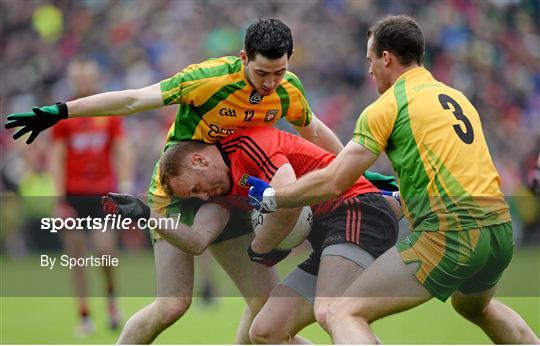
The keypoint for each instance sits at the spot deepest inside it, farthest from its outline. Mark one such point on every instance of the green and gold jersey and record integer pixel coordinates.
(215, 100)
(433, 137)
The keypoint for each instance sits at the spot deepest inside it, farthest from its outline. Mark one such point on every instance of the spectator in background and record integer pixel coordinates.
(534, 177)
(85, 152)
(36, 190)
(469, 43)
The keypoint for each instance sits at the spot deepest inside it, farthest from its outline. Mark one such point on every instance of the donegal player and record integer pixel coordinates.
(215, 98)
(461, 231)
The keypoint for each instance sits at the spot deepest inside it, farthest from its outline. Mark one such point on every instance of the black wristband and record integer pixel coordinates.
(62, 110)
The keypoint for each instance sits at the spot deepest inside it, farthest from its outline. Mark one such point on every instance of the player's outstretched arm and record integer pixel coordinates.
(111, 103)
(122, 102)
(327, 183)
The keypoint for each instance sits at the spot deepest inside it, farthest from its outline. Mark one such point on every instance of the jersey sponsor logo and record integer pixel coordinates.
(255, 98)
(270, 115)
(217, 131)
(227, 112)
(243, 180)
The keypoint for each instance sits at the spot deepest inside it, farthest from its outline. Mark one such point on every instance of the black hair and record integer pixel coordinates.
(269, 37)
(400, 35)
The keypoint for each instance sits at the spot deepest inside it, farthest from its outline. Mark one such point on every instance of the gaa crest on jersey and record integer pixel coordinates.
(271, 115)
(255, 98)
(243, 180)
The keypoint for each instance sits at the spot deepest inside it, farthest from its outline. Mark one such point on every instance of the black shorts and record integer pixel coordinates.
(366, 220)
(86, 206)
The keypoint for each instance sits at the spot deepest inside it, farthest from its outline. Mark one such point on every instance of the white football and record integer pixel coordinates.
(298, 234)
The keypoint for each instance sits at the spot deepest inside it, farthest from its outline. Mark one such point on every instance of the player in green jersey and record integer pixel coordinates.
(215, 98)
(461, 231)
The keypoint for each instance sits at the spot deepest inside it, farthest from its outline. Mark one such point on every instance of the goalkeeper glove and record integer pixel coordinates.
(40, 119)
(125, 205)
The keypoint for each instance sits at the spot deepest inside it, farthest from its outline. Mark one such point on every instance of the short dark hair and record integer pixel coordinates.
(173, 162)
(400, 35)
(269, 37)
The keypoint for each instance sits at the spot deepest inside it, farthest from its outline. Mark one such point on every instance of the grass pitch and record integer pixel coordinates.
(52, 320)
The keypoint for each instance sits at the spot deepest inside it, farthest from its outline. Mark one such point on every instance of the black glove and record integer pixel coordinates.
(268, 259)
(125, 205)
(40, 119)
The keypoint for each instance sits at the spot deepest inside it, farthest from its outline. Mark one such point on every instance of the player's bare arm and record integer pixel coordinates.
(209, 222)
(122, 102)
(111, 103)
(277, 225)
(318, 133)
(330, 182)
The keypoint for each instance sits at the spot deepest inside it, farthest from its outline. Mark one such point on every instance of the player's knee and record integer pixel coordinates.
(341, 309)
(170, 309)
(255, 304)
(333, 314)
(321, 309)
(262, 332)
(468, 308)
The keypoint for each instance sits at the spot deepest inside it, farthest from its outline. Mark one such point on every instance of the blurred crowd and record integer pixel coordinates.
(490, 50)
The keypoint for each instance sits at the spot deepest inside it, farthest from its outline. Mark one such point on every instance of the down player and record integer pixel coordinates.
(349, 232)
(89, 150)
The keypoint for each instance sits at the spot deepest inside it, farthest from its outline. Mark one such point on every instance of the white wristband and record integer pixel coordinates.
(269, 199)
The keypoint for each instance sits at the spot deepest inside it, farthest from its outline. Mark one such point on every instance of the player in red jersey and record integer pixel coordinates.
(348, 233)
(84, 153)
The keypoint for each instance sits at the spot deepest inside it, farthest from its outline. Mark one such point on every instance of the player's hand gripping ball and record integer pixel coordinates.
(298, 234)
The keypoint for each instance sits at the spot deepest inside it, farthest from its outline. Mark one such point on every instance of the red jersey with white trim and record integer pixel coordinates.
(89, 153)
(261, 151)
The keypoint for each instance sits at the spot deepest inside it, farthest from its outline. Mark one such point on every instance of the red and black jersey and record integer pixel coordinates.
(261, 151)
(89, 153)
